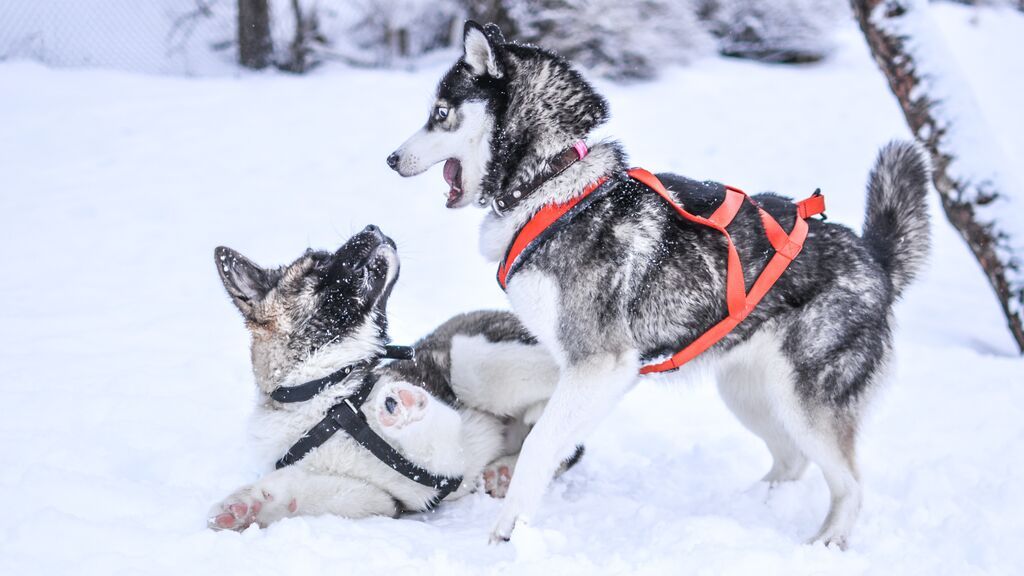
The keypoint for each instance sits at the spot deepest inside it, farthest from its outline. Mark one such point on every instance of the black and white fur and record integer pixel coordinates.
(461, 408)
(629, 282)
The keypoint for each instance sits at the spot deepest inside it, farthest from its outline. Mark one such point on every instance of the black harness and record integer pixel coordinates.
(348, 417)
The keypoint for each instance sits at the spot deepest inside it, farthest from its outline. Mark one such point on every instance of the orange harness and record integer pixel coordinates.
(739, 302)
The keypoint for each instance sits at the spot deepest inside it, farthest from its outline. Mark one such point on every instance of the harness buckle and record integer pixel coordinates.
(351, 406)
(813, 205)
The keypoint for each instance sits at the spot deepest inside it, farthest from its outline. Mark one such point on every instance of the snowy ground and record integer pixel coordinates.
(125, 371)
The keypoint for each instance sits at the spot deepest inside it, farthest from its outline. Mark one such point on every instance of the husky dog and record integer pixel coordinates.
(628, 281)
(461, 407)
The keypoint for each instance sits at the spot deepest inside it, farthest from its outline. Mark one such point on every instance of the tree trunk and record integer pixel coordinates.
(255, 47)
(306, 33)
(976, 194)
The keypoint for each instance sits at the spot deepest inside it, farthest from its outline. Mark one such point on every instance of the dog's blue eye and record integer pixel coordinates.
(441, 112)
(390, 404)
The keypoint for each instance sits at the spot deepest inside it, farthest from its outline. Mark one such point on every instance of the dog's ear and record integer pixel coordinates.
(245, 282)
(494, 33)
(482, 46)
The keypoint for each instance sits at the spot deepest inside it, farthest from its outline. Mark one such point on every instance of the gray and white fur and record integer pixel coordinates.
(461, 407)
(629, 282)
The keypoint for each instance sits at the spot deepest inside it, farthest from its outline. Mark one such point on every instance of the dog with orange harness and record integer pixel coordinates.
(620, 273)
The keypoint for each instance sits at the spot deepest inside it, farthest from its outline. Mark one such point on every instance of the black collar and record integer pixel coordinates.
(304, 392)
(507, 201)
(347, 416)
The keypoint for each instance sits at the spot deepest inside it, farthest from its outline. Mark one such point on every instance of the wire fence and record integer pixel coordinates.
(161, 36)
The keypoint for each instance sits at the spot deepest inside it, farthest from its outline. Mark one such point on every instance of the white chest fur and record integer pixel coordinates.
(534, 296)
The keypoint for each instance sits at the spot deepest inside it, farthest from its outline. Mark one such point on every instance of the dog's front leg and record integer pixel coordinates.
(586, 392)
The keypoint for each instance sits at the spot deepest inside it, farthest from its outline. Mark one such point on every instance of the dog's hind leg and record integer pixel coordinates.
(838, 345)
(788, 463)
(503, 378)
(831, 448)
(293, 491)
(756, 382)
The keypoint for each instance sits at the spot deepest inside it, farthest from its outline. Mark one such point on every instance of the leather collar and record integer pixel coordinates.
(507, 201)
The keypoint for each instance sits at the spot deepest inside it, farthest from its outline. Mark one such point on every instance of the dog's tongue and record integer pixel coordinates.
(451, 170)
(453, 176)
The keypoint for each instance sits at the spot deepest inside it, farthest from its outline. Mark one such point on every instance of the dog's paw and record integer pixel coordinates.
(502, 531)
(248, 506)
(831, 539)
(400, 404)
(498, 475)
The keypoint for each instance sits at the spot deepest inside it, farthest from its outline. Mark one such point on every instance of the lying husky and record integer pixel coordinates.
(458, 410)
(625, 280)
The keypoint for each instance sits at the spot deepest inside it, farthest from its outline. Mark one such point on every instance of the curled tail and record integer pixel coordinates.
(896, 228)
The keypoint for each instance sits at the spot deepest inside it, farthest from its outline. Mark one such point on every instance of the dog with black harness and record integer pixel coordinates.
(622, 272)
(357, 427)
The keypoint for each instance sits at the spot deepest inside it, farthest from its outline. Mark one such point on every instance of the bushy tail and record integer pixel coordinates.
(896, 228)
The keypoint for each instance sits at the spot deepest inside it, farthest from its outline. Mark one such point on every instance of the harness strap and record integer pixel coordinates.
(306, 391)
(547, 221)
(739, 302)
(346, 416)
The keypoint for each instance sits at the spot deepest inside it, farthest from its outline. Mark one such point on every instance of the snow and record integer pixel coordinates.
(126, 376)
(978, 157)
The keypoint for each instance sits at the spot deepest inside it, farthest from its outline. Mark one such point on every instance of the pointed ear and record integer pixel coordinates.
(245, 282)
(481, 50)
(494, 33)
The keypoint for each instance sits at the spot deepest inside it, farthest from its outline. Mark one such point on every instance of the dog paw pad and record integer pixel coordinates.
(401, 405)
(497, 480)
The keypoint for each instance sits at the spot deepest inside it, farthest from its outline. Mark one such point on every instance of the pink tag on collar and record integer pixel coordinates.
(581, 148)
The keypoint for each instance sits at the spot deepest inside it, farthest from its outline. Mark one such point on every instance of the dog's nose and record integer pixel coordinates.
(393, 160)
(372, 230)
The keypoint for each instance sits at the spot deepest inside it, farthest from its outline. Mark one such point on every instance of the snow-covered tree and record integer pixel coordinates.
(774, 30)
(303, 33)
(388, 32)
(981, 195)
(619, 40)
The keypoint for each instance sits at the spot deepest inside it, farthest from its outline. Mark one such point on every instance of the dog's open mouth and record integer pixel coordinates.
(453, 176)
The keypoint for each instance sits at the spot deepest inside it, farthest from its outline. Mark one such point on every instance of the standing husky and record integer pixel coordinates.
(628, 281)
(460, 408)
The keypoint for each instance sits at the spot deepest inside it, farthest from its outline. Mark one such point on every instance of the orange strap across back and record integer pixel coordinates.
(739, 302)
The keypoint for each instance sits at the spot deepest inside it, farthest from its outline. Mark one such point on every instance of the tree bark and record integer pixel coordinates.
(971, 203)
(255, 46)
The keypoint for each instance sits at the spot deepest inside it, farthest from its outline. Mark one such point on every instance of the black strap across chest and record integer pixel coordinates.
(304, 392)
(347, 416)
